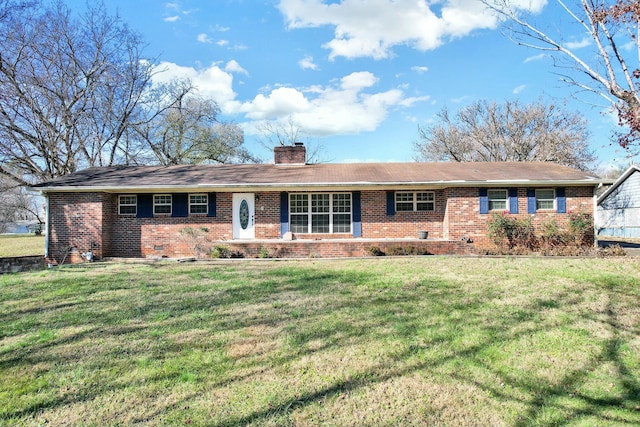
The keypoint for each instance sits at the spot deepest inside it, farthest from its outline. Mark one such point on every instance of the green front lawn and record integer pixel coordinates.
(21, 245)
(384, 342)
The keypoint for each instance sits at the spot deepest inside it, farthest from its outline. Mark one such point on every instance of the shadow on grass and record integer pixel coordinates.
(319, 311)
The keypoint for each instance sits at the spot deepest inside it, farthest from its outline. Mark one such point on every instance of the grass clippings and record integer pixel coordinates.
(385, 342)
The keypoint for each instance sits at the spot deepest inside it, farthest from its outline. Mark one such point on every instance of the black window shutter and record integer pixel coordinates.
(180, 205)
(284, 213)
(391, 202)
(357, 214)
(212, 205)
(145, 206)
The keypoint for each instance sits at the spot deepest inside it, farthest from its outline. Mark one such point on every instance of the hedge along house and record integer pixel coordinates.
(295, 209)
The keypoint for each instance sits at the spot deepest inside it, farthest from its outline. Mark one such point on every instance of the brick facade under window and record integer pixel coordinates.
(82, 222)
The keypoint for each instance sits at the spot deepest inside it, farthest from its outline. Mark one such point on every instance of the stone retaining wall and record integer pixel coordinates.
(22, 263)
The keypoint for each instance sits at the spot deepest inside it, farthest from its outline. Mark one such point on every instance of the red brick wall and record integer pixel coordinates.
(290, 154)
(463, 218)
(377, 224)
(89, 221)
(75, 225)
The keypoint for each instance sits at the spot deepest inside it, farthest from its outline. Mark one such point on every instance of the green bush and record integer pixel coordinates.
(516, 235)
(509, 232)
(220, 251)
(374, 251)
(581, 227)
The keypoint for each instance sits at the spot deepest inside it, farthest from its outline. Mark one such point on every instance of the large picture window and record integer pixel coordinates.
(320, 213)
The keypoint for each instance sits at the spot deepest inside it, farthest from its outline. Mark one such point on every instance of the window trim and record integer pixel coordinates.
(134, 204)
(415, 202)
(156, 204)
(309, 212)
(553, 200)
(205, 204)
(505, 199)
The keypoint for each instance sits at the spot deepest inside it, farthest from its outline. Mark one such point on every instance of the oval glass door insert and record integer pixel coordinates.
(244, 214)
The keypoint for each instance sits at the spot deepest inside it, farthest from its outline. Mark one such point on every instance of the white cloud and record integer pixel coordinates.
(419, 69)
(372, 28)
(307, 63)
(212, 82)
(220, 28)
(535, 58)
(204, 38)
(579, 44)
(342, 108)
(171, 18)
(519, 89)
(233, 67)
(349, 105)
(222, 43)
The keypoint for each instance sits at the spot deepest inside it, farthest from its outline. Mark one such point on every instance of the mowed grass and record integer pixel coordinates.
(369, 342)
(21, 245)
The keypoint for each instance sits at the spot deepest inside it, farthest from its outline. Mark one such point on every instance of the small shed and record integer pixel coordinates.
(618, 211)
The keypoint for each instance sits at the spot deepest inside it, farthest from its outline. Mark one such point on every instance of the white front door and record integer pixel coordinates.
(244, 209)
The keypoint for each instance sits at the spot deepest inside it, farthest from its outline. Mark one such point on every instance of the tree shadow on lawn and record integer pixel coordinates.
(318, 311)
(541, 395)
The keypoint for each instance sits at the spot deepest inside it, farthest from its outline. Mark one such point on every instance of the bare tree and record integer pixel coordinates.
(183, 128)
(70, 89)
(493, 132)
(277, 132)
(16, 203)
(607, 67)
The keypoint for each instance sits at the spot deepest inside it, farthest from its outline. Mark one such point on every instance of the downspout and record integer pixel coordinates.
(46, 226)
(595, 214)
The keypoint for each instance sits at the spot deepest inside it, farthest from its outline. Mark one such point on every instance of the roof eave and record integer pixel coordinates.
(616, 183)
(316, 185)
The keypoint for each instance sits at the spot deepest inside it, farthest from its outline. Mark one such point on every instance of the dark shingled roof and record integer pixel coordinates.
(354, 175)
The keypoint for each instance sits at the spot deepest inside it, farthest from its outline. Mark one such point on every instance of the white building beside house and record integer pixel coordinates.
(618, 212)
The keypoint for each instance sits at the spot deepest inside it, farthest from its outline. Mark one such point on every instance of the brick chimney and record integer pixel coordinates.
(295, 154)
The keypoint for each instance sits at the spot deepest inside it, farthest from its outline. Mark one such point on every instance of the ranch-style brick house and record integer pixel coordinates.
(295, 209)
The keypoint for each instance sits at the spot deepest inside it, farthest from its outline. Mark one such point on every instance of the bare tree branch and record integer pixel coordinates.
(491, 132)
(610, 24)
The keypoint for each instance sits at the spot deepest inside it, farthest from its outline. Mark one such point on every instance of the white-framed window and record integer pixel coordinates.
(198, 203)
(415, 201)
(161, 204)
(320, 212)
(127, 204)
(497, 200)
(545, 199)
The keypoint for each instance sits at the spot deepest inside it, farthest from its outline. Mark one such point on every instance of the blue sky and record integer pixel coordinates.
(356, 76)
